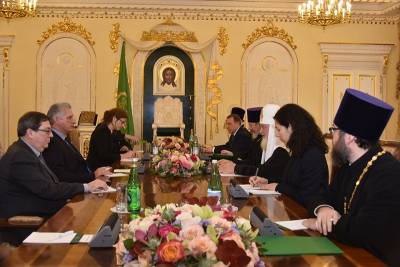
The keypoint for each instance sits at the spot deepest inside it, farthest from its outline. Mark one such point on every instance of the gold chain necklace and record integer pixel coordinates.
(369, 164)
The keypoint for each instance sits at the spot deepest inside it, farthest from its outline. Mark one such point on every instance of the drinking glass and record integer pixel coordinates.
(121, 198)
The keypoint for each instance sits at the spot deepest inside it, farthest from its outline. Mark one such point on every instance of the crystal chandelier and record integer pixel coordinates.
(324, 13)
(10, 9)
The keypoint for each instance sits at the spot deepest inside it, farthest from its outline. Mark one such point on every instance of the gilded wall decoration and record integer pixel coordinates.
(269, 30)
(223, 39)
(114, 37)
(216, 97)
(5, 56)
(162, 32)
(66, 26)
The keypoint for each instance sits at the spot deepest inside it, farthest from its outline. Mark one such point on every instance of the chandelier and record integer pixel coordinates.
(17, 8)
(324, 13)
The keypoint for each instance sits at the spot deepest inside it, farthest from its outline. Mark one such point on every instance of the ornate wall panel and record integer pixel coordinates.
(66, 73)
(5, 45)
(359, 66)
(269, 73)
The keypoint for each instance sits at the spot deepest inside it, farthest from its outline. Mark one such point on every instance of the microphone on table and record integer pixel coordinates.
(266, 227)
(107, 235)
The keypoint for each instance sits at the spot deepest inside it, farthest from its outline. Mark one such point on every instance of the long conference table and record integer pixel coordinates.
(86, 213)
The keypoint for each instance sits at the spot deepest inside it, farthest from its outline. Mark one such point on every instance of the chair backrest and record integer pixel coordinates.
(87, 118)
(168, 112)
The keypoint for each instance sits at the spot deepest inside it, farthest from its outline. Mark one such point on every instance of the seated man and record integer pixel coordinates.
(362, 205)
(239, 142)
(27, 185)
(61, 156)
(274, 157)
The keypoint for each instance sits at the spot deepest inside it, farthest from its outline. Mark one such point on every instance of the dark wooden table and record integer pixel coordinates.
(86, 213)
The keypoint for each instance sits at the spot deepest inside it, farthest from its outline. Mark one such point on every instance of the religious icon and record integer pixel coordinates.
(168, 76)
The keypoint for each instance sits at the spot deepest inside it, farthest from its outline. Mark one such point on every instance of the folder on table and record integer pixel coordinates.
(296, 245)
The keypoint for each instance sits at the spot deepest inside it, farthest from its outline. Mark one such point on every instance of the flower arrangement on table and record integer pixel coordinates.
(173, 144)
(189, 235)
(174, 163)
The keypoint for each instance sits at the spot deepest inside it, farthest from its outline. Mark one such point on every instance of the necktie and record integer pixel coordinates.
(68, 142)
(51, 173)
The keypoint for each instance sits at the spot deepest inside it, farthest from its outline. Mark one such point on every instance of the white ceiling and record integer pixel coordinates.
(364, 11)
(378, 6)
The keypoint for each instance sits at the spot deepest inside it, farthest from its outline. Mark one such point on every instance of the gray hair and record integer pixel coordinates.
(56, 109)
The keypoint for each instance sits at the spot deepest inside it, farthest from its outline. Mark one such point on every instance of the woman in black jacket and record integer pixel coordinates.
(107, 143)
(306, 173)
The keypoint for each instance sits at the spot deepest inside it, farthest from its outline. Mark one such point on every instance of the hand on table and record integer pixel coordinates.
(326, 218)
(257, 181)
(128, 154)
(226, 166)
(97, 185)
(102, 171)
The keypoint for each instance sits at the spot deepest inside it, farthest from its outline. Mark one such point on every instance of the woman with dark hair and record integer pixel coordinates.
(306, 173)
(107, 143)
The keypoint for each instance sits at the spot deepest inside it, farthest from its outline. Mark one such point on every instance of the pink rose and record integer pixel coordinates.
(191, 232)
(202, 244)
(186, 163)
(171, 251)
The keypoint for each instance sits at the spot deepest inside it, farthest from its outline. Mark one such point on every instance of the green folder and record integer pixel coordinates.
(296, 245)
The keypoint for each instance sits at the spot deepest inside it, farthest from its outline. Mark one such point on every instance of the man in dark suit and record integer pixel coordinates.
(61, 156)
(27, 185)
(239, 143)
(255, 154)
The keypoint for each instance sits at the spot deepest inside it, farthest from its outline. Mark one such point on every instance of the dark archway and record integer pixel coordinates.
(149, 98)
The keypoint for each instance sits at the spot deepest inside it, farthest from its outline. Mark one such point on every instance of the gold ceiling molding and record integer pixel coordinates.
(269, 30)
(159, 34)
(66, 26)
(223, 39)
(114, 37)
(196, 14)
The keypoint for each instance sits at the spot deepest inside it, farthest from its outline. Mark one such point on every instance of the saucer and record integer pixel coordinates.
(114, 210)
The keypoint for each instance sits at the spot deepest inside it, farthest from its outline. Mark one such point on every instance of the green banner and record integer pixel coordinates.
(123, 96)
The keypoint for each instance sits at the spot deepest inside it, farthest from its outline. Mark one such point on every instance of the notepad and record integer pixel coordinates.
(116, 175)
(122, 170)
(296, 245)
(50, 238)
(258, 191)
(292, 225)
(108, 190)
(232, 175)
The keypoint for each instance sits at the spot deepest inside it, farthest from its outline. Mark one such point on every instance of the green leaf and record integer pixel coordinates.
(171, 236)
(212, 233)
(128, 243)
(153, 243)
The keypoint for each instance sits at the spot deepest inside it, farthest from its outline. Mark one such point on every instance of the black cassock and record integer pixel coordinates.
(373, 219)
